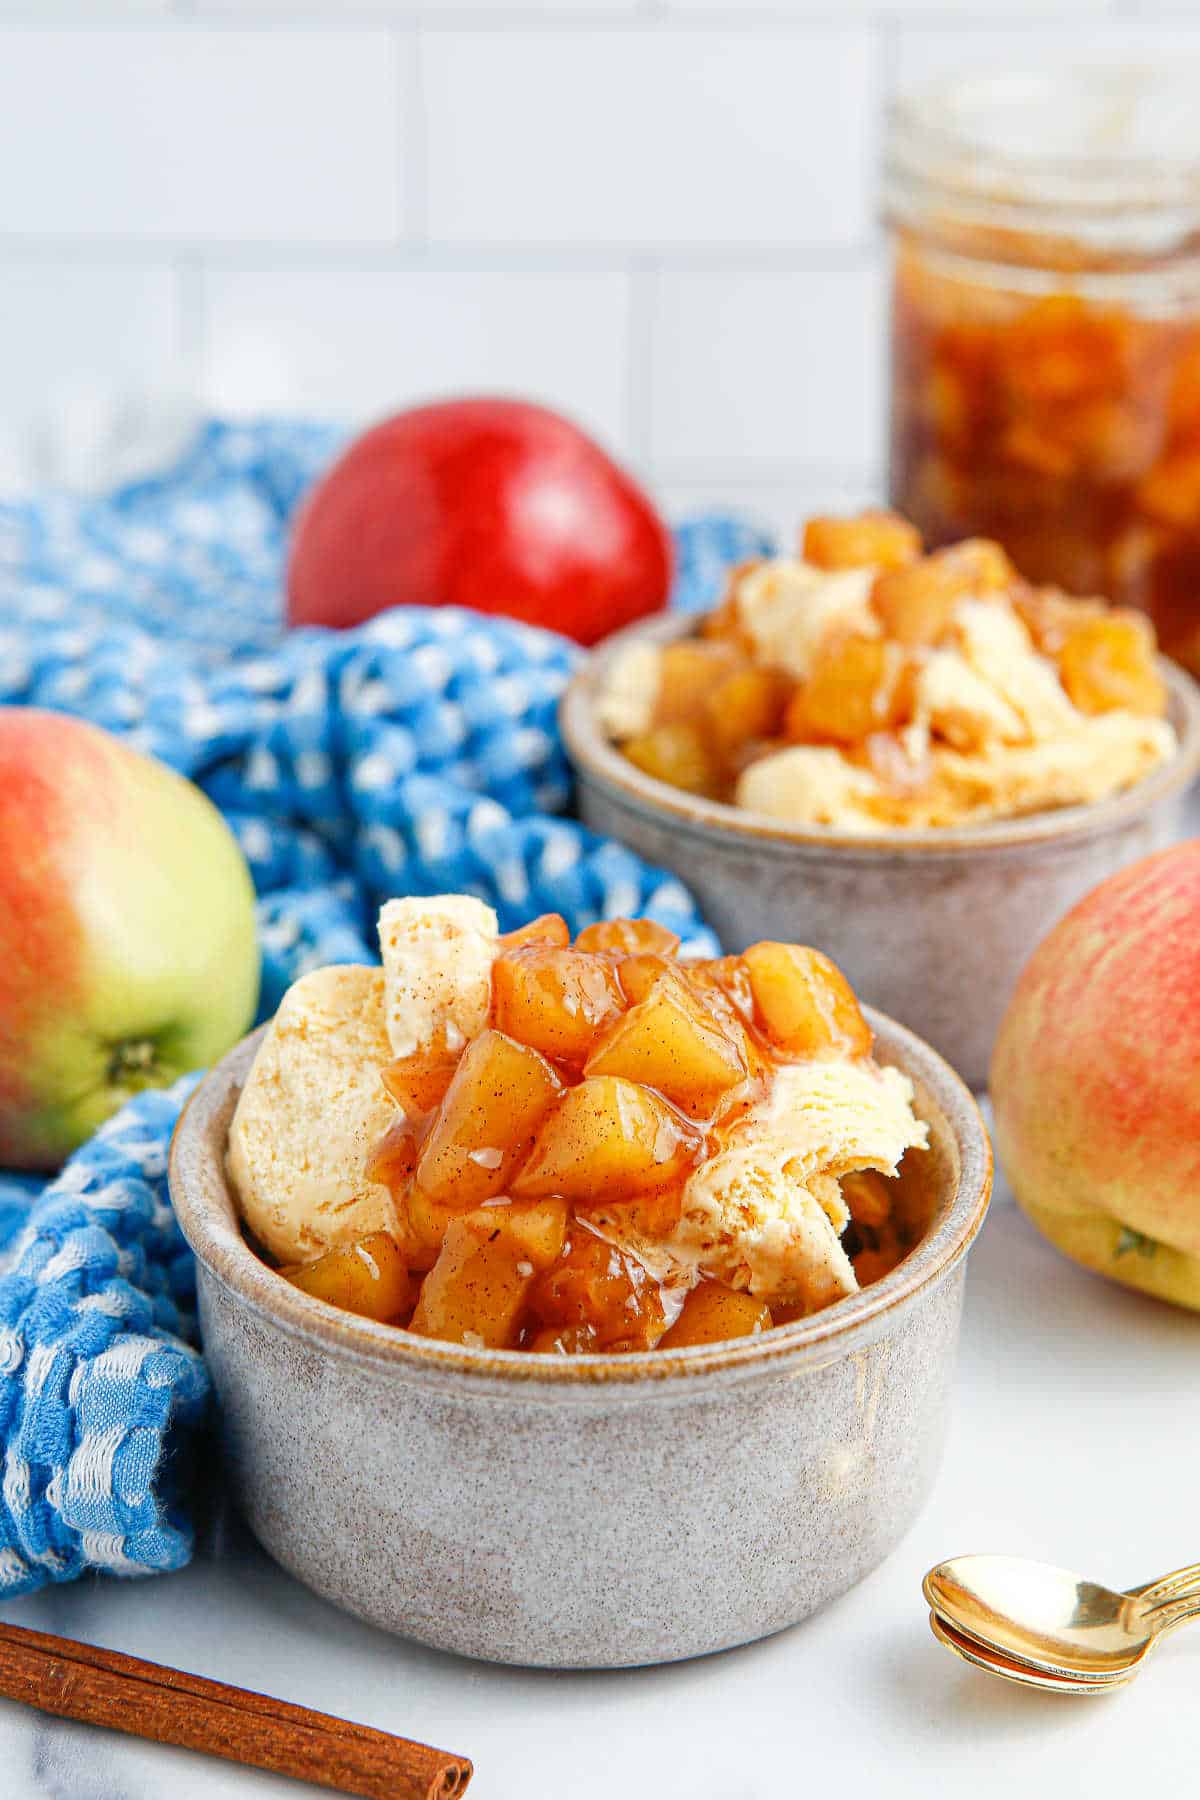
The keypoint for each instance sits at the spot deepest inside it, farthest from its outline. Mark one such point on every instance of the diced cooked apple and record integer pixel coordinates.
(535, 1230)
(565, 1340)
(915, 604)
(418, 1083)
(555, 1000)
(1170, 489)
(712, 1313)
(597, 1288)
(722, 984)
(638, 974)
(881, 1223)
(487, 1121)
(869, 1198)
(368, 1277)
(687, 673)
(982, 563)
(473, 1294)
(873, 1265)
(670, 1042)
(628, 937)
(423, 1221)
(728, 974)
(608, 1137)
(1108, 663)
(394, 1157)
(1050, 616)
(653, 1215)
(478, 1289)
(678, 755)
(547, 928)
(805, 1003)
(723, 625)
(745, 708)
(856, 684)
(883, 539)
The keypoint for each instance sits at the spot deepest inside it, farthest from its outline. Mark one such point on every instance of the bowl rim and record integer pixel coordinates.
(595, 758)
(204, 1207)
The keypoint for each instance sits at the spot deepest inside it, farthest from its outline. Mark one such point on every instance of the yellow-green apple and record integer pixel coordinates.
(1095, 1079)
(127, 941)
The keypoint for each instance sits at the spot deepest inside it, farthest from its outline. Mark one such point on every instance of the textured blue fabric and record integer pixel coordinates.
(416, 754)
(100, 1393)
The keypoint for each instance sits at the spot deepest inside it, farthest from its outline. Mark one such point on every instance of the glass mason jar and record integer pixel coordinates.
(1045, 329)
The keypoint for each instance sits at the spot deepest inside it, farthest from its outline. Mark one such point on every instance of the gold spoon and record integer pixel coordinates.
(1055, 1623)
(981, 1657)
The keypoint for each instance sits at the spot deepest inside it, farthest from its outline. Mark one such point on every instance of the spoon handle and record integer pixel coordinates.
(1169, 1590)
(1173, 1593)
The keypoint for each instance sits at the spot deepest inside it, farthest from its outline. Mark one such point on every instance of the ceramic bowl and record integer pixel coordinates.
(932, 926)
(585, 1512)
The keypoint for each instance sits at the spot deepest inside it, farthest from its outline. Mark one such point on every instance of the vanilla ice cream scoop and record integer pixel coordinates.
(758, 1214)
(438, 952)
(312, 1110)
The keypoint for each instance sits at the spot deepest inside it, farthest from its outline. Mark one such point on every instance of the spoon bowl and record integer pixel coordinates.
(1053, 1621)
(980, 1656)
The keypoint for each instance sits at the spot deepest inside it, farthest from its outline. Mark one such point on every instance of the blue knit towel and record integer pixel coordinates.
(417, 754)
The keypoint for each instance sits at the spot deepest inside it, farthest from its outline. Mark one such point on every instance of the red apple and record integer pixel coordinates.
(1096, 1079)
(492, 504)
(128, 952)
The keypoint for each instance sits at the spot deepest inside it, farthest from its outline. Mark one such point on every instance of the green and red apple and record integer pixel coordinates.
(1095, 1080)
(128, 952)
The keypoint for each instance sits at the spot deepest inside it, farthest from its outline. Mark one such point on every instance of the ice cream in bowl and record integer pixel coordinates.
(918, 760)
(574, 1149)
(572, 1301)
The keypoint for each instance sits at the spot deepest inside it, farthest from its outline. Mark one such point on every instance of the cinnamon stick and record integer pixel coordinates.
(148, 1700)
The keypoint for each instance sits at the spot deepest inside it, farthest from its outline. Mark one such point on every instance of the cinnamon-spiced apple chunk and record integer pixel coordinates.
(601, 1147)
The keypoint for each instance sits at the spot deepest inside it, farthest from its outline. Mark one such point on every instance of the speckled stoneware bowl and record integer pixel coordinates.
(932, 926)
(585, 1512)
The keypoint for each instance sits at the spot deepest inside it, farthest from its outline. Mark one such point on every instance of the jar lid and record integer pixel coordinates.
(1104, 159)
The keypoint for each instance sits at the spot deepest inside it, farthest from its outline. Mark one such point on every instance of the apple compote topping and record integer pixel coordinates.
(1066, 424)
(633, 1150)
(868, 686)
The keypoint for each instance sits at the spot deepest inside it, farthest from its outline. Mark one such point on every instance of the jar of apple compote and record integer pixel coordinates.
(1045, 384)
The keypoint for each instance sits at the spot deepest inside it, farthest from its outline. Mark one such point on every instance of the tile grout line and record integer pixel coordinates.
(642, 16)
(443, 256)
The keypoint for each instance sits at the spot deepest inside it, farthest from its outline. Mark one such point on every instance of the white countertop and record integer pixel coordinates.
(1074, 1439)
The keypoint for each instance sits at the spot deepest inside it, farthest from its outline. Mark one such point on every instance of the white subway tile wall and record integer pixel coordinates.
(355, 342)
(657, 215)
(744, 371)
(192, 136)
(648, 137)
